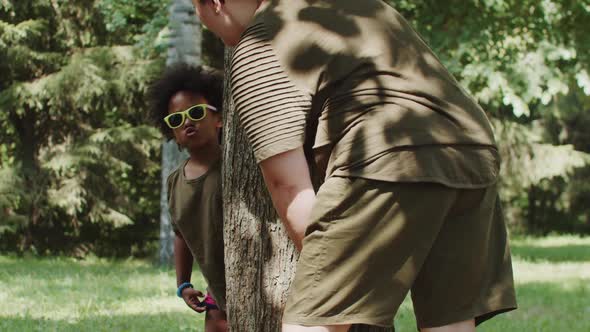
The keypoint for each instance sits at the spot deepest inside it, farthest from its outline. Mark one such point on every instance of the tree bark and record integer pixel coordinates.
(185, 34)
(33, 177)
(185, 46)
(171, 157)
(259, 257)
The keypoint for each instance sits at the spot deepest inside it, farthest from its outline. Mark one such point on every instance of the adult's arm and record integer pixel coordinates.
(287, 178)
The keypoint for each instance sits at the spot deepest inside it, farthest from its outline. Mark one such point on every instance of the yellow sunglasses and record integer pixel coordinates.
(195, 113)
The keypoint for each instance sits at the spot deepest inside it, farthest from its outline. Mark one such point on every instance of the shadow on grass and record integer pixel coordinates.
(562, 253)
(137, 322)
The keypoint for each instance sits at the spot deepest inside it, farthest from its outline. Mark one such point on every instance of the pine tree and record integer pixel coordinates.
(72, 111)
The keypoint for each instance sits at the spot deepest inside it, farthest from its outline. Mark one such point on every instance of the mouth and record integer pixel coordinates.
(190, 131)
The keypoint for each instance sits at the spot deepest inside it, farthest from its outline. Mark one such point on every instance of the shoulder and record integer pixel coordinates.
(211, 185)
(213, 175)
(174, 175)
(271, 27)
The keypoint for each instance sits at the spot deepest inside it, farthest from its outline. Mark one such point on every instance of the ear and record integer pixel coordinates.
(217, 6)
(217, 119)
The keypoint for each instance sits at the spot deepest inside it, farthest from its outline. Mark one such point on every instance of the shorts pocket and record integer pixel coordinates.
(327, 201)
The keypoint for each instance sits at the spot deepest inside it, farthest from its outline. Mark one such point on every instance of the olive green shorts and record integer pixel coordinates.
(370, 242)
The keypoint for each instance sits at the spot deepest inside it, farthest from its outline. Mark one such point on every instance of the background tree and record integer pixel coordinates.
(527, 64)
(74, 155)
(184, 46)
(80, 172)
(73, 69)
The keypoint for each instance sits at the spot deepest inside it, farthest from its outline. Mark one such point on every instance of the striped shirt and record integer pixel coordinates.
(355, 84)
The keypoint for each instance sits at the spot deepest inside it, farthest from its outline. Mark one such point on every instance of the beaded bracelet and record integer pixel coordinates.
(182, 287)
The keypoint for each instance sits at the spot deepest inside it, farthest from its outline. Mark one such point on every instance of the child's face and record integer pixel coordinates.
(194, 134)
(227, 19)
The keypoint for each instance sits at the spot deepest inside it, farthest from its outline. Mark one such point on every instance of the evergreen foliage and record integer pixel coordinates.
(527, 62)
(76, 153)
(79, 166)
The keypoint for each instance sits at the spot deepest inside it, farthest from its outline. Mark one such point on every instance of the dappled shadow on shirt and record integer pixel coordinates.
(351, 83)
(363, 71)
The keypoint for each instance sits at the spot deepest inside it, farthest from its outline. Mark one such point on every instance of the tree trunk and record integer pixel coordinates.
(259, 257)
(185, 34)
(532, 210)
(34, 179)
(171, 157)
(185, 46)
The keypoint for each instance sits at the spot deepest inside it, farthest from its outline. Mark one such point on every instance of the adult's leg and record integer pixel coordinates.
(363, 250)
(468, 273)
(464, 326)
(329, 328)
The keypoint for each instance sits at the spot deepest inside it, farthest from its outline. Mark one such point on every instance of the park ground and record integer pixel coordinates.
(552, 275)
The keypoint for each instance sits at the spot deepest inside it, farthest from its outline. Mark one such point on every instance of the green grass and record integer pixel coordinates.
(61, 294)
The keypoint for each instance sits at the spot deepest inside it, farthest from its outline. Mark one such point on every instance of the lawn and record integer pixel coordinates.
(62, 294)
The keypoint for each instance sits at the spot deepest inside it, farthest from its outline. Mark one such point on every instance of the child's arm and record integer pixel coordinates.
(183, 262)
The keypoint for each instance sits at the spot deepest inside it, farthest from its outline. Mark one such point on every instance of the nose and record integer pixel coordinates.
(187, 121)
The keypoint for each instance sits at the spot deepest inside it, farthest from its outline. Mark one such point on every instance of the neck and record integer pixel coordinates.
(244, 20)
(260, 5)
(206, 155)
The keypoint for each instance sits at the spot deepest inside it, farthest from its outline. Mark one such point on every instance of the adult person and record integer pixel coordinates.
(349, 90)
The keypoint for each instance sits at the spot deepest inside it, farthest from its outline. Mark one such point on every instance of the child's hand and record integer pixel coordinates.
(191, 298)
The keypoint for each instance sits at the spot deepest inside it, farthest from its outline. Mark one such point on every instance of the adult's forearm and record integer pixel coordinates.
(183, 260)
(294, 207)
(287, 178)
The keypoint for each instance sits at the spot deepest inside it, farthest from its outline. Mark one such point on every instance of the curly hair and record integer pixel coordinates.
(183, 77)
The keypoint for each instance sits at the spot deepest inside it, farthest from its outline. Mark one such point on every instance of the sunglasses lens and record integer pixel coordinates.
(196, 113)
(175, 120)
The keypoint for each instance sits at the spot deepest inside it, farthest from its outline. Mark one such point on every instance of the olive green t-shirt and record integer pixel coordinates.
(196, 210)
(357, 86)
